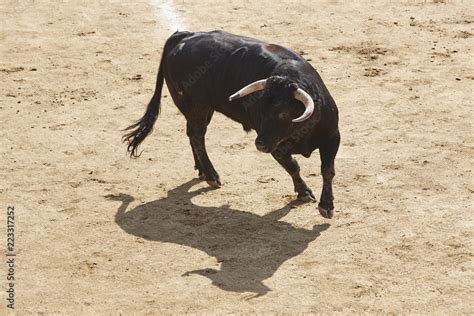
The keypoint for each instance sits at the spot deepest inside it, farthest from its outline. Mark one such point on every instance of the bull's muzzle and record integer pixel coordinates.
(261, 146)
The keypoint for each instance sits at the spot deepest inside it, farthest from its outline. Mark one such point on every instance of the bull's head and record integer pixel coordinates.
(280, 111)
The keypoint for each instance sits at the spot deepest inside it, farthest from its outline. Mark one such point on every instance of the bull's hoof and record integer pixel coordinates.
(306, 196)
(326, 213)
(215, 184)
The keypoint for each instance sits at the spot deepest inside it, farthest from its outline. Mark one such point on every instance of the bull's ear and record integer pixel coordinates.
(293, 87)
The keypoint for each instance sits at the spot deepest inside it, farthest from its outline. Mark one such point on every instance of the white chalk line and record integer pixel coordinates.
(168, 16)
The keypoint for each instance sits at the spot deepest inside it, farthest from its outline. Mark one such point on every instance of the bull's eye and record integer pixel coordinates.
(283, 116)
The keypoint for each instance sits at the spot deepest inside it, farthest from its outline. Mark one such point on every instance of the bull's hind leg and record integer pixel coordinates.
(197, 164)
(291, 166)
(196, 128)
(328, 153)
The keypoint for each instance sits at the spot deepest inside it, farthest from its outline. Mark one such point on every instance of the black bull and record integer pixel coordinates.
(203, 69)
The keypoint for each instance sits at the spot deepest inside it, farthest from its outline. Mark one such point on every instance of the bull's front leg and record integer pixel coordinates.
(328, 153)
(291, 166)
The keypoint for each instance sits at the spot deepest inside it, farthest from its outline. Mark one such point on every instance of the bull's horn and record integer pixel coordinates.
(306, 99)
(253, 87)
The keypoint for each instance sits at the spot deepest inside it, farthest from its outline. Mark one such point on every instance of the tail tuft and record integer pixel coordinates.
(140, 129)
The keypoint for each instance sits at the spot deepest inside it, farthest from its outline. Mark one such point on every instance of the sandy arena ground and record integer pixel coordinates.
(97, 232)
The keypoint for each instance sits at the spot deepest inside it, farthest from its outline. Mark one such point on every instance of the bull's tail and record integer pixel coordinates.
(138, 131)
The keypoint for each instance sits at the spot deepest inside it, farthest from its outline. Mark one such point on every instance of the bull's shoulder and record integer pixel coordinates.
(281, 52)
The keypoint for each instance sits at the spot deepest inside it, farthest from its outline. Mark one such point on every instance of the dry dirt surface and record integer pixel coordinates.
(99, 233)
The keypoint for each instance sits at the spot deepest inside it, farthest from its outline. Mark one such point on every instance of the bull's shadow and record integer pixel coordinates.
(249, 247)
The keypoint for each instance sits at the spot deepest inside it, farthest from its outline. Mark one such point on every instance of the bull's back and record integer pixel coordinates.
(210, 66)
